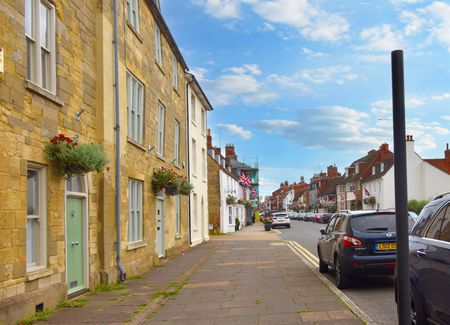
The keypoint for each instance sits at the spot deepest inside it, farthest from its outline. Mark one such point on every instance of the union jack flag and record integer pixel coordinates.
(244, 181)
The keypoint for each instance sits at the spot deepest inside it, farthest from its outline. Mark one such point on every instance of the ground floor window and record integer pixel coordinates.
(134, 210)
(36, 217)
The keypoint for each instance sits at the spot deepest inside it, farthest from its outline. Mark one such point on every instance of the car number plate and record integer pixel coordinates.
(386, 246)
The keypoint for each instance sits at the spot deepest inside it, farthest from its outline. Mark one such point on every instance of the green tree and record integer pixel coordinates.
(416, 206)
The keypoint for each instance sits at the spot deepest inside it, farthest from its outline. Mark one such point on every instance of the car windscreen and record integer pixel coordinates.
(374, 222)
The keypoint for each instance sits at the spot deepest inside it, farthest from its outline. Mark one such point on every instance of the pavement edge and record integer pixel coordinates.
(313, 263)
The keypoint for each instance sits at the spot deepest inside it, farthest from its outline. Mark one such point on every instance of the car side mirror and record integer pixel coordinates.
(322, 231)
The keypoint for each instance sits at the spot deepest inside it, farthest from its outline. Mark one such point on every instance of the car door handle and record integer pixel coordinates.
(421, 253)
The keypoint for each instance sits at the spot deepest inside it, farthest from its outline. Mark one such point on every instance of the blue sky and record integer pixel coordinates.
(303, 84)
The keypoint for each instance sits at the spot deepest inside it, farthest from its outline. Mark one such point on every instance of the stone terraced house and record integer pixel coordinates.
(59, 236)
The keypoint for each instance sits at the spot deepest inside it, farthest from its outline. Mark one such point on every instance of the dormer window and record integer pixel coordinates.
(382, 167)
(373, 170)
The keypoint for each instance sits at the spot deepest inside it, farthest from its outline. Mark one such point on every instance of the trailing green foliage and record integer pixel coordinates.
(73, 158)
(40, 316)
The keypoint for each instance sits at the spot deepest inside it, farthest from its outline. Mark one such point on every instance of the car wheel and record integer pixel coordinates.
(289, 226)
(417, 312)
(323, 267)
(342, 279)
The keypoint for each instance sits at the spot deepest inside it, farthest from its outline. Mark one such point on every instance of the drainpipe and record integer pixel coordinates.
(117, 129)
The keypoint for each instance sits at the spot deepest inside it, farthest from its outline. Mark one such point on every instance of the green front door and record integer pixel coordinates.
(74, 244)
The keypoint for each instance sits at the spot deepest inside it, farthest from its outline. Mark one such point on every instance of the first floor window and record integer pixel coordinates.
(177, 215)
(133, 13)
(176, 144)
(40, 39)
(135, 211)
(135, 108)
(36, 217)
(161, 118)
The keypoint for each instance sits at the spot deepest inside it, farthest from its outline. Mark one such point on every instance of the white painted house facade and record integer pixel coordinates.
(197, 108)
(230, 187)
(288, 199)
(424, 181)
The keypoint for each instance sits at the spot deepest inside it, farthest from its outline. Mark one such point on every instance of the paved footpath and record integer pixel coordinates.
(249, 277)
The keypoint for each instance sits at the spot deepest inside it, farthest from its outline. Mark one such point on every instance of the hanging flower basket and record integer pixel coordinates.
(371, 200)
(169, 181)
(231, 199)
(71, 157)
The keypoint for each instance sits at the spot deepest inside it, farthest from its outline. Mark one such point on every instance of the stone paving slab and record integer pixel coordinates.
(249, 277)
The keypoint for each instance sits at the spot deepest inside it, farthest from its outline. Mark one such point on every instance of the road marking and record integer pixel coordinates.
(313, 263)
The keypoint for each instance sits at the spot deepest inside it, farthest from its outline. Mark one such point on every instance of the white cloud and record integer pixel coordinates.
(381, 38)
(425, 134)
(336, 128)
(312, 22)
(414, 24)
(381, 108)
(443, 96)
(337, 74)
(371, 58)
(403, 2)
(334, 74)
(239, 84)
(221, 9)
(199, 73)
(438, 14)
(234, 129)
(446, 117)
(312, 54)
(268, 27)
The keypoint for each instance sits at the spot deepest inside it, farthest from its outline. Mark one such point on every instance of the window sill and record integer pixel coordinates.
(160, 157)
(43, 92)
(160, 67)
(136, 245)
(178, 237)
(137, 145)
(135, 32)
(37, 273)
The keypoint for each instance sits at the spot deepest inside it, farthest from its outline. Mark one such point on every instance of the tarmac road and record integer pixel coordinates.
(375, 295)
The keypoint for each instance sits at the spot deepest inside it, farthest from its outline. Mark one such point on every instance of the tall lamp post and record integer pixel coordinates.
(401, 195)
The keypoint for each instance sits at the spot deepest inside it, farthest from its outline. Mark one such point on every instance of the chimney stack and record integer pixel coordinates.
(230, 154)
(209, 140)
(447, 153)
(332, 171)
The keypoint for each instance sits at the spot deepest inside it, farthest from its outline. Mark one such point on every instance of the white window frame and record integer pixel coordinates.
(230, 215)
(203, 163)
(134, 210)
(203, 120)
(174, 72)
(133, 14)
(158, 47)
(135, 108)
(193, 108)
(177, 215)
(194, 157)
(35, 49)
(160, 137)
(382, 167)
(39, 241)
(176, 143)
(373, 170)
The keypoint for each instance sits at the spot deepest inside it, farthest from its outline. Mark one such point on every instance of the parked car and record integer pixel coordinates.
(308, 216)
(358, 243)
(429, 263)
(280, 219)
(325, 217)
(316, 218)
